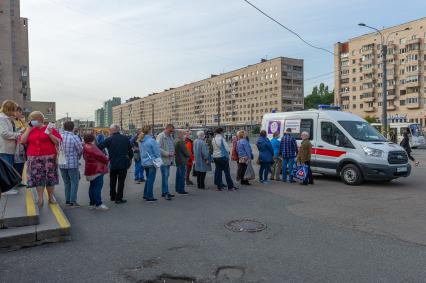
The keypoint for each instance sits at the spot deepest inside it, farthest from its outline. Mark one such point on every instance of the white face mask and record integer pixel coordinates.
(35, 123)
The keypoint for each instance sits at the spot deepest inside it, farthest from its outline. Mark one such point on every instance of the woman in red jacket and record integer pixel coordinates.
(189, 146)
(96, 167)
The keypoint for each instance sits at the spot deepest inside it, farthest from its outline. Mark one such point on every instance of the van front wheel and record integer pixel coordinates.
(351, 175)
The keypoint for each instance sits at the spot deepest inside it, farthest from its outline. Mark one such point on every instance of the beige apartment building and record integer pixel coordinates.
(359, 73)
(243, 96)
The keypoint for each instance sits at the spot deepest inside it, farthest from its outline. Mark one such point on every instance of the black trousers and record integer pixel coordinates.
(201, 177)
(410, 156)
(116, 192)
(241, 171)
(310, 178)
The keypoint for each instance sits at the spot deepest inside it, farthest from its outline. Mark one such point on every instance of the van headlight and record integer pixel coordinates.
(373, 152)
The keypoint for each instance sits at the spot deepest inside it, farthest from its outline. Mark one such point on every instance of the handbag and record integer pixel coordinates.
(62, 160)
(158, 162)
(249, 174)
(9, 177)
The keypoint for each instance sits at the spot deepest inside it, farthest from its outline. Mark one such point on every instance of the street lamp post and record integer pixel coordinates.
(384, 79)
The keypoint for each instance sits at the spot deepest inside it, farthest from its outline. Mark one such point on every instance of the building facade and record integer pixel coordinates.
(108, 105)
(359, 73)
(14, 62)
(236, 99)
(100, 118)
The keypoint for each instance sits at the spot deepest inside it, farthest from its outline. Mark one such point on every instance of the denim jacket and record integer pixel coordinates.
(149, 150)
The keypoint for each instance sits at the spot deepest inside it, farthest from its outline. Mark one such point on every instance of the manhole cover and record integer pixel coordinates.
(245, 225)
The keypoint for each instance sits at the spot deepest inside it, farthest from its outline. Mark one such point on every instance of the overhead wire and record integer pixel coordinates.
(289, 29)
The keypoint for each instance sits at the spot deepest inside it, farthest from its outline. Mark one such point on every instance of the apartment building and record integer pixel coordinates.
(359, 73)
(14, 61)
(108, 105)
(100, 118)
(236, 99)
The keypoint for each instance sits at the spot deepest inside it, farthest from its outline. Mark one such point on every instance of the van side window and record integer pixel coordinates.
(306, 125)
(332, 135)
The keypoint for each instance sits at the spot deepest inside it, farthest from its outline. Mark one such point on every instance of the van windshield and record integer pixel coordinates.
(362, 131)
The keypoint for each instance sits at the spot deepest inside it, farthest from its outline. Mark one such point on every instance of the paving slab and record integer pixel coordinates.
(18, 236)
(19, 210)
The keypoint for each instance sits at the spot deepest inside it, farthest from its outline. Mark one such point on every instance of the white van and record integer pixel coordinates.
(343, 144)
(414, 130)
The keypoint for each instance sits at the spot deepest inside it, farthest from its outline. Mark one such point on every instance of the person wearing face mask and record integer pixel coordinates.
(42, 167)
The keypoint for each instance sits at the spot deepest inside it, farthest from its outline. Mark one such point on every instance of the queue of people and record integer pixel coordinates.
(47, 152)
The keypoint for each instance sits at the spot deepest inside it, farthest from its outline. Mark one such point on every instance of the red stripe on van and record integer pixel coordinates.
(328, 152)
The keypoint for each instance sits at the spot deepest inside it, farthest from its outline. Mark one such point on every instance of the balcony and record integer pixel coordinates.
(391, 96)
(369, 109)
(413, 105)
(370, 98)
(412, 84)
(391, 107)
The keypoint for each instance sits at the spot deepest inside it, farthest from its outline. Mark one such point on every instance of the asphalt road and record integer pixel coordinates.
(328, 232)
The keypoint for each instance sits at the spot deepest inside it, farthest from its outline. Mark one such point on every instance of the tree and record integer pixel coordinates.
(319, 95)
(255, 130)
(370, 119)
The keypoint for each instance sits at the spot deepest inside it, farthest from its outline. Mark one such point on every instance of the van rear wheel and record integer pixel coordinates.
(351, 175)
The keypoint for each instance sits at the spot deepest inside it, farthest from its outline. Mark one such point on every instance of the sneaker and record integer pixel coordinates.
(74, 205)
(189, 183)
(67, 203)
(11, 192)
(167, 197)
(137, 182)
(183, 193)
(92, 206)
(102, 207)
(142, 180)
(120, 201)
(151, 200)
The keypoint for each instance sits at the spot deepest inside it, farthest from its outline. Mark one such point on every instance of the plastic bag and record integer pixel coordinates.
(301, 173)
(249, 174)
(9, 177)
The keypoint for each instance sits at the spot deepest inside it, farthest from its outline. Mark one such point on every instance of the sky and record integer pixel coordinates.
(83, 52)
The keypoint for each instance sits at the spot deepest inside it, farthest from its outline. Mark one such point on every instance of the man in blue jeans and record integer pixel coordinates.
(288, 151)
(73, 149)
(167, 151)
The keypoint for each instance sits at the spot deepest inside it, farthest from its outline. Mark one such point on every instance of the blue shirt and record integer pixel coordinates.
(288, 146)
(72, 148)
(276, 146)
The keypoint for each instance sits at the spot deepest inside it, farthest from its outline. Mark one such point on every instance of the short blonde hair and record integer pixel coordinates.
(241, 134)
(36, 115)
(9, 107)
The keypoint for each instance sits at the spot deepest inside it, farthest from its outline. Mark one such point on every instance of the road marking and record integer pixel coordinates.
(59, 215)
(29, 198)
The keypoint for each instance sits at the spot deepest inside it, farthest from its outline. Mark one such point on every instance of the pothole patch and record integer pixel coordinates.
(229, 273)
(171, 279)
(245, 225)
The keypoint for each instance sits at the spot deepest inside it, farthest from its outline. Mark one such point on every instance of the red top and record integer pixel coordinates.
(189, 143)
(96, 161)
(39, 143)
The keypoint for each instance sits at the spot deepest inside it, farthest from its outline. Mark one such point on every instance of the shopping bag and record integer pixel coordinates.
(62, 160)
(249, 175)
(9, 177)
(301, 173)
